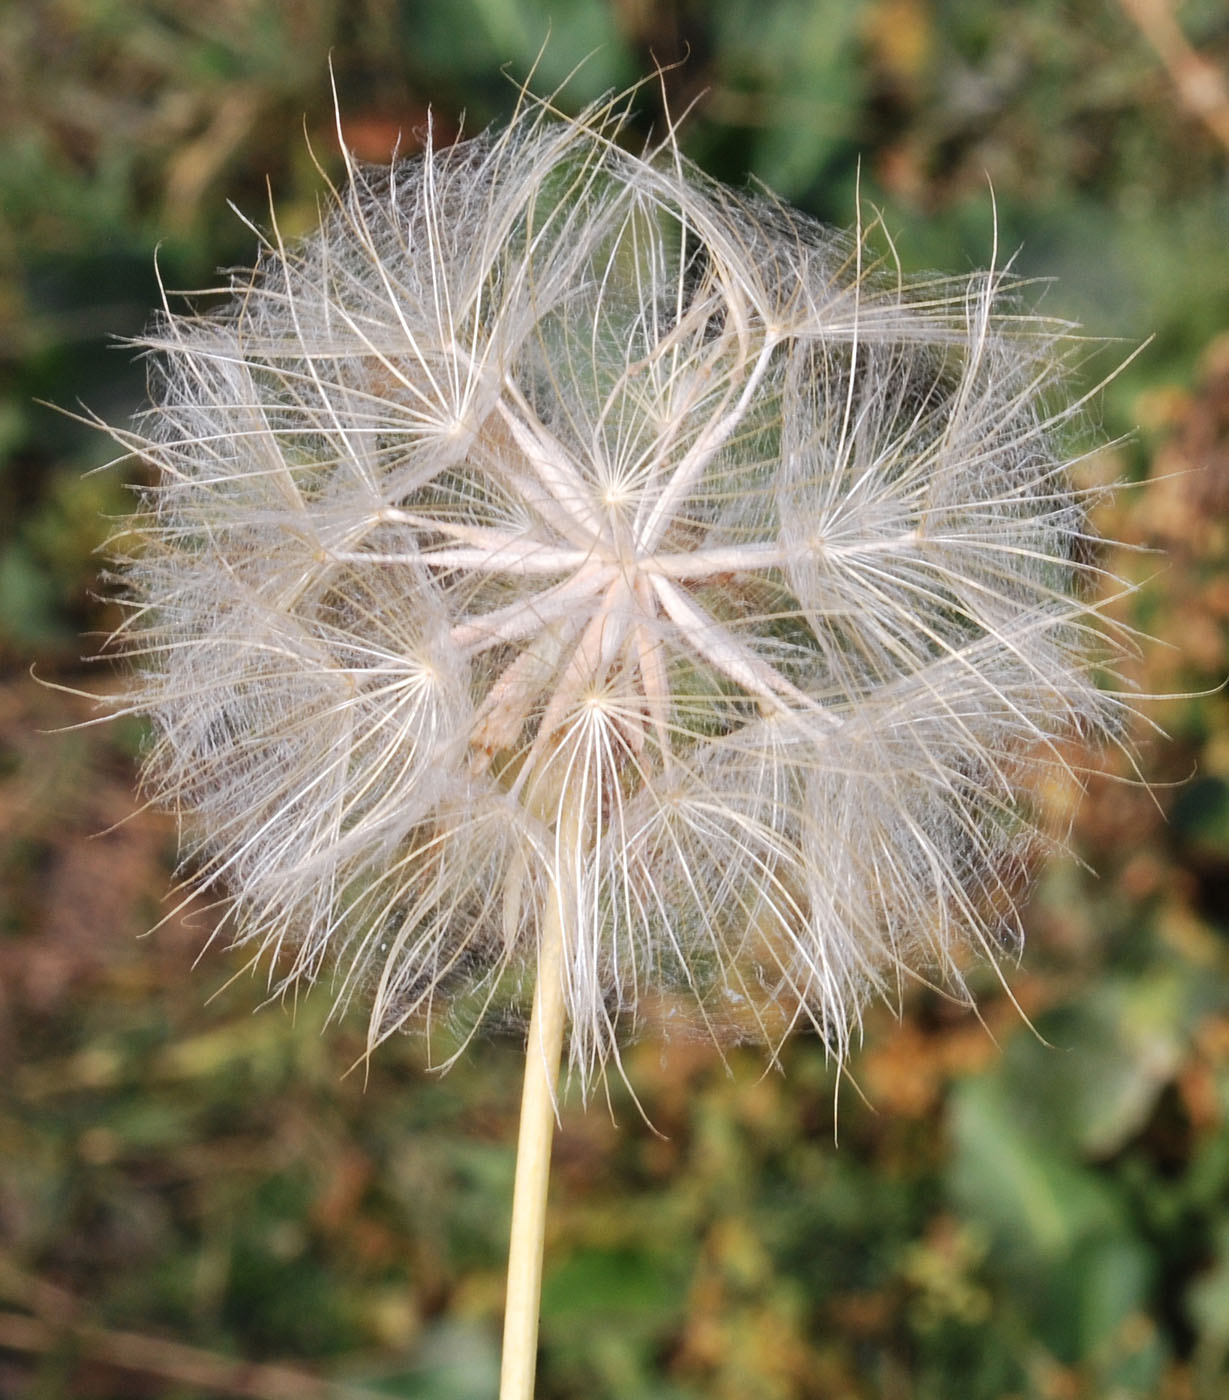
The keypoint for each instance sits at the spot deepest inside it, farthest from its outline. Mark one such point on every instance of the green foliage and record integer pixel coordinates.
(1030, 1210)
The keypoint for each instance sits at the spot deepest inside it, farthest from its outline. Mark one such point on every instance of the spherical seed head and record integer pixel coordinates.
(556, 524)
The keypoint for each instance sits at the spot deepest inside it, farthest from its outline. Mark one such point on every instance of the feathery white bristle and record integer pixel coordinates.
(555, 518)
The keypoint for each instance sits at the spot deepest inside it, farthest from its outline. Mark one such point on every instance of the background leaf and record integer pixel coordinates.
(1030, 1211)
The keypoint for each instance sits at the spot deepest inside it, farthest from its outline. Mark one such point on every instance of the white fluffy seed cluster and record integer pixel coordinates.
(554, 523)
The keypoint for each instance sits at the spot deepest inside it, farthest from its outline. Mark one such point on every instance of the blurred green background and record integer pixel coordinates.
(197, 1201)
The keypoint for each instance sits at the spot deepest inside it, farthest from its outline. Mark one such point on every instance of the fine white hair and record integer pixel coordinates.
(557, 523)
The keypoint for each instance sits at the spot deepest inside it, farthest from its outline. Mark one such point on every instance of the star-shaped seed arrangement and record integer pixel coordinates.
(564, 578)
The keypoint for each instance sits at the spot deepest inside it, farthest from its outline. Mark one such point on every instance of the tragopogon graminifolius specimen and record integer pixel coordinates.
(555, 526)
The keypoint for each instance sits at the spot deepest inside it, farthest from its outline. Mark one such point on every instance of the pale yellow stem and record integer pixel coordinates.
(533, 1150)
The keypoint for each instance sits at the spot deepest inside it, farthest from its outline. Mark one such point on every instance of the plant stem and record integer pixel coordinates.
(542, 1052)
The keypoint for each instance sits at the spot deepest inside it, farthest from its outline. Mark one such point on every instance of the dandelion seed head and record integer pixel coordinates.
(554, 519)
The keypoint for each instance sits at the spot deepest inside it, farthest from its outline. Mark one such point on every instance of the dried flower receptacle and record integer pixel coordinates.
(562, 571)
(555, 520)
